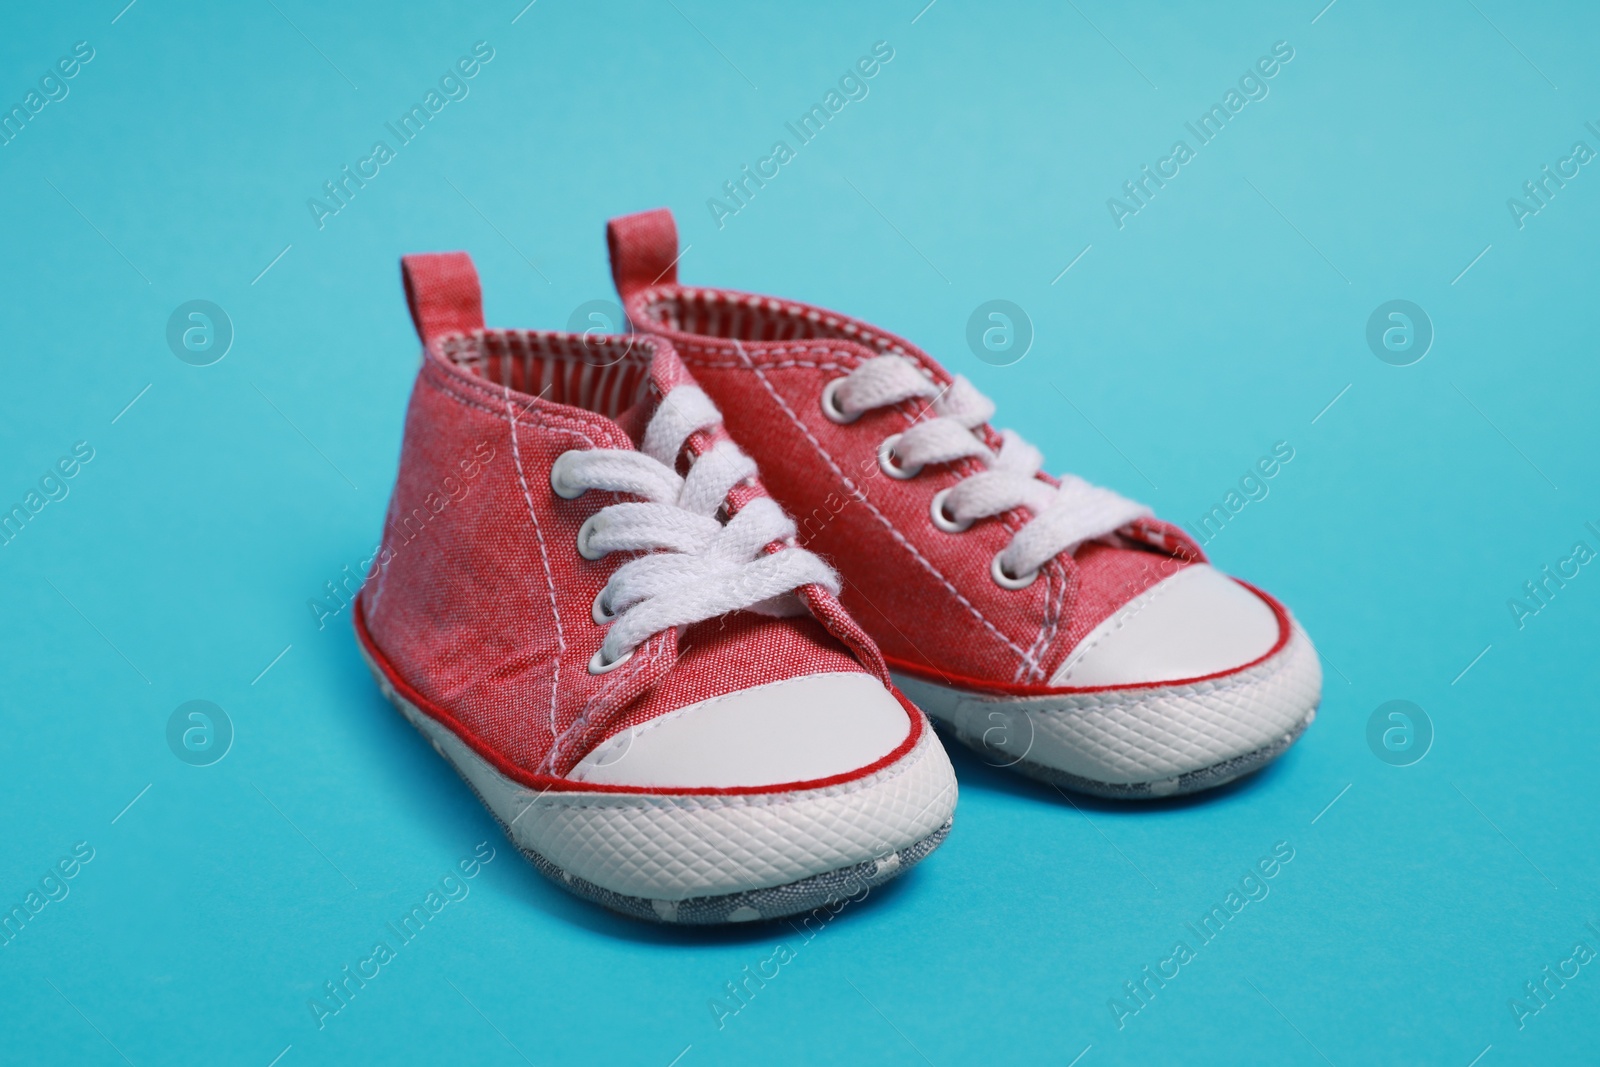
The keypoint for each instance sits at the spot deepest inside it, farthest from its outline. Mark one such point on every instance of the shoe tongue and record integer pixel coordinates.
(666, 373)
(632, 421)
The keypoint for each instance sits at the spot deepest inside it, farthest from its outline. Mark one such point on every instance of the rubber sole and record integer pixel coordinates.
(750, 905)
(1194, 781)
(753, 905)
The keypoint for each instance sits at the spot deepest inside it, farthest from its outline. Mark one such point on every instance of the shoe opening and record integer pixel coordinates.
(746, 317)
(603, 373)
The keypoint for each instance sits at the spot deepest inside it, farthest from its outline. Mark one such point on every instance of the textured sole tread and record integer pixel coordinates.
(752, 905)
(1194, 781)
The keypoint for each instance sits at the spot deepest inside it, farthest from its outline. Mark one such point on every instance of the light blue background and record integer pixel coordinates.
(1223, 318)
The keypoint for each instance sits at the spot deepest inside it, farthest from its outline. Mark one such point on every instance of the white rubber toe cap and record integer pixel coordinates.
(1197, 623)
(799, 730)
(1162, 739)
(667, 847)
(675, 847)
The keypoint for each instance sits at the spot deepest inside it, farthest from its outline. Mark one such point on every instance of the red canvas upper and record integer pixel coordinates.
(924, 595)
(481, 608)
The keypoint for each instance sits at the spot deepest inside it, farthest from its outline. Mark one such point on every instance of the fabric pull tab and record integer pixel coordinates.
(443, 294)
(644, 251)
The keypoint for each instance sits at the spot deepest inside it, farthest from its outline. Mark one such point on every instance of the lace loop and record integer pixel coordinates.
(693, 567)
(1064, 515)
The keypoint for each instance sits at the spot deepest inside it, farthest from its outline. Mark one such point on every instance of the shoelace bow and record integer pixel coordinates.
(1065, 515)
(696, 566)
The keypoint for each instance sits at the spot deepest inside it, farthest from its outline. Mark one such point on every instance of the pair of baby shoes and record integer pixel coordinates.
(694, 694)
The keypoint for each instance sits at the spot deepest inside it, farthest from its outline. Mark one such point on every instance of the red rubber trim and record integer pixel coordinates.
(552, 784)
(980, 685)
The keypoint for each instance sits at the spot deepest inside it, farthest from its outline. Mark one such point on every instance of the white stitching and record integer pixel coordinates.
(1054, 614)
(596, 703)
(1056, 589)
(1058, 614)
(544, 556)
(693, 352)
(862, 496)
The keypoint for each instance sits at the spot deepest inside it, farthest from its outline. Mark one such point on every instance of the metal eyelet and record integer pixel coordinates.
(830, 404)
(600, 611)
(598, 664)
(942, 519)
(558, 484)
(1007, 581)
(585, 532)
(889, 466)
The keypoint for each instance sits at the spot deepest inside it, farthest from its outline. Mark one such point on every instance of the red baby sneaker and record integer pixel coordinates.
(590, 606)
(1049, 623)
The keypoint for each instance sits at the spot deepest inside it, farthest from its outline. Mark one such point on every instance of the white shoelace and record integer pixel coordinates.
(1064, 516)
(697, 567)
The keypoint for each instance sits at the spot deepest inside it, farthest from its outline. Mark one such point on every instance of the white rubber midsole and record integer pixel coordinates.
(1137, 735)
(673, 847)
